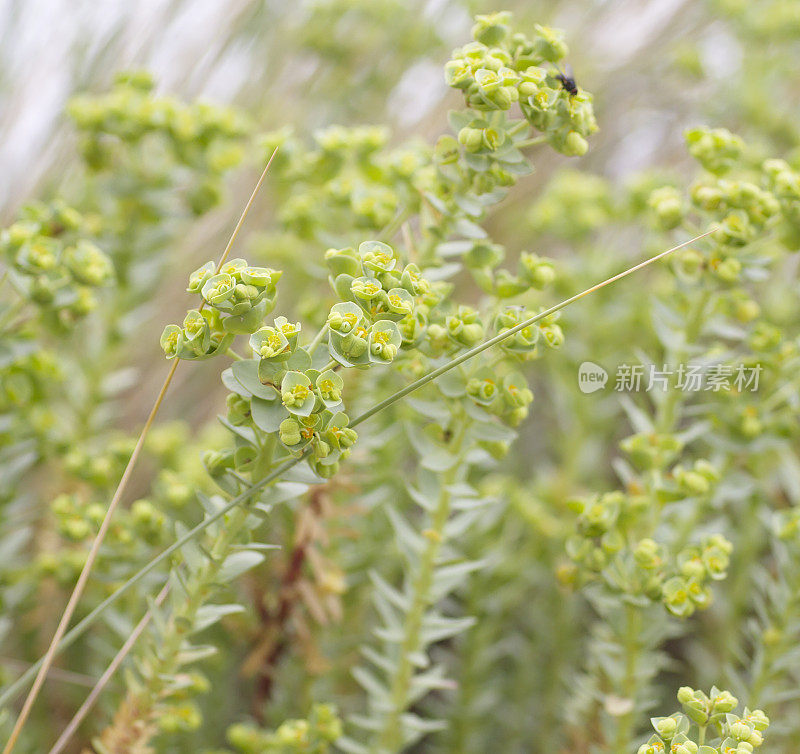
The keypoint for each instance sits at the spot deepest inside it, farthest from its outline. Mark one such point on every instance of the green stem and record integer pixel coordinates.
(164, 663)
(630, 682)
(533, 141)
(520, 125)
(667, 415)
(666, 421)
(390, 737)
(317, 339)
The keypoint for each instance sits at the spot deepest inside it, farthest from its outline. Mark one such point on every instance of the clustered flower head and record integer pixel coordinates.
(666, 203)
(238, 297)
(652, 450)
(283, 389)
(482, 258)
(53, 263)
(503, 68)
(606, 546)
(385, 304)
(77, 521)
(716, 149)
(26, 377)
(311, 736)
(739, 198)
(688, 590)
(707, 725)
(698, 480)
(204, 137)
(784, 182)
(349, 176)
(509, 398)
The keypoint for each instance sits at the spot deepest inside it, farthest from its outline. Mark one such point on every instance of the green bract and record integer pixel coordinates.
(343, 261)
(201, 337)
(377, 256)
(296, 393)
(171, 341)
(384, 341)
(258, 276)
(270, 343)
(201, 276)
(329, 388)
(218, 288)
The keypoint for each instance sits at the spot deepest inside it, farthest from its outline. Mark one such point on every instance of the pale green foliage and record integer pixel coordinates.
(451, 573)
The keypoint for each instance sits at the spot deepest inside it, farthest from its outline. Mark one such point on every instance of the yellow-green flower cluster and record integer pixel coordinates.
(652, 450)
(238, 295)
(707, 725)
(204, 137)
(289, 390)
(736, 197)
(699, 480)
(688, 590)
(482, 258)
(77, 522)
(26, 376)
(52, 262)
(311, 736)
(385, 304)
(509, 398)
(524, 343)
(716, 149)
(349, 178)
(502, 68)
(666, 204)
(784, 182)
(100, 466)
(601, 549)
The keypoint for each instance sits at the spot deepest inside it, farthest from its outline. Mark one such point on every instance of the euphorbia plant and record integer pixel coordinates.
(377, 566)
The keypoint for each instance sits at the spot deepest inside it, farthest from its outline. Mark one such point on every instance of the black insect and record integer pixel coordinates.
(568, 81)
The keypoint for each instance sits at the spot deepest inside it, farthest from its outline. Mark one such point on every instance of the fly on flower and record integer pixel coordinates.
(567, 80)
